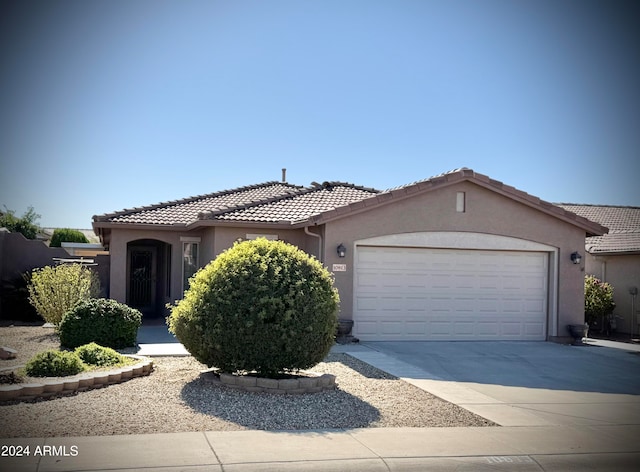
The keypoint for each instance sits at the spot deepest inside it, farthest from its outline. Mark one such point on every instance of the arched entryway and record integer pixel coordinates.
(148, 276)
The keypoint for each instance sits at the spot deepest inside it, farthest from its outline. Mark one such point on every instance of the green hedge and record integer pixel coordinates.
(263, 306)
(102, 321)
(66, 235)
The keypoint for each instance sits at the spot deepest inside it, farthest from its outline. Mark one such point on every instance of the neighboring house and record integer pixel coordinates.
(615, 257)
(458, 256)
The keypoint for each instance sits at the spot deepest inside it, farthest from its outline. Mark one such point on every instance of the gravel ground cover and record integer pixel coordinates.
(174, 398)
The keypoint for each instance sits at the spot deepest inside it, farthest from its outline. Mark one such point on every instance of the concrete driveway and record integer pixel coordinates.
(521, 383)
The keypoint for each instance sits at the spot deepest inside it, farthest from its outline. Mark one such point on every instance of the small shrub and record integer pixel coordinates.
(598, 299)
(55, 290)
(99, 356)
(263, 306)
(54, 363)
(66, 235)
(102, 321)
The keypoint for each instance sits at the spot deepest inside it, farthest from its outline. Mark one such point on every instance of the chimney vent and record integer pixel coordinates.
(284, 175)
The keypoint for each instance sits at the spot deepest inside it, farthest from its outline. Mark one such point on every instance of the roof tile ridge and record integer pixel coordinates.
(313, 188)
(182, 201)
(337, 183)
(299, 190)
(458, 172)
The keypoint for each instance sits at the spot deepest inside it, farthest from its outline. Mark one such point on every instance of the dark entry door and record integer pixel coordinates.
(142, 278)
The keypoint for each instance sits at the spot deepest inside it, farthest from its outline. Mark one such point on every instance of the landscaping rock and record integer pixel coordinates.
(7, 353)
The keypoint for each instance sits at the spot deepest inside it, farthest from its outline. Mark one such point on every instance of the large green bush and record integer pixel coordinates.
(598, 299)
(54, 363)
(66, 235)
(262, 306)
(55, 290)
(102, 321)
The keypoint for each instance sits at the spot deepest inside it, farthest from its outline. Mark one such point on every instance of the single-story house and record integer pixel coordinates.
(615, 257)
(458, 256)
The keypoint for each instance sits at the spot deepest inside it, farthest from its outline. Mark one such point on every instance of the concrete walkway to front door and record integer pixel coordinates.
(154, 339)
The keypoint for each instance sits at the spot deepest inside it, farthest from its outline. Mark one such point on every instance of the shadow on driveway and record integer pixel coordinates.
(538, 365)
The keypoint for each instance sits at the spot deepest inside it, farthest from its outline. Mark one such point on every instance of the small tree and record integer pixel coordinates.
(55, 290)
(66, 235)
(598, 298)
(25, 224)
(263, 306)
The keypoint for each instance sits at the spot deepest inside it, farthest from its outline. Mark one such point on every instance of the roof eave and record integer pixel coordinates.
(591, 228)
(622, 252)
(130, 225)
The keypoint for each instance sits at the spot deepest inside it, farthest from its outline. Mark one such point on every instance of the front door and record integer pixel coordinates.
(142, 279)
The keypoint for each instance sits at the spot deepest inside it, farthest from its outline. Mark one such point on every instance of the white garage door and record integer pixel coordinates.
(449, 294)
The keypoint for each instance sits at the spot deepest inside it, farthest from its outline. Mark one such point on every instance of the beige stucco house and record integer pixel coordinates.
(458, 256)
(615, 257)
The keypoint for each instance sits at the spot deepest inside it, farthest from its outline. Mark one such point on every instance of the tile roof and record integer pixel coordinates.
(271, 202)
(185, 211)
(297, 207)
(623, 223)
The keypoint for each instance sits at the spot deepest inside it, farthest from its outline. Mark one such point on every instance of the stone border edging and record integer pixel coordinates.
(314, 383)
(75, 383)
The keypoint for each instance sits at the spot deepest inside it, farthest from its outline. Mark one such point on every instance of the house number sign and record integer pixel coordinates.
(339, 267)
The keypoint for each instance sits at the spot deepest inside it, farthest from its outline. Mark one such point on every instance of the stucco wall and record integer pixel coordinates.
(486, 212)
(213, 241)
(118, 253)
(623, 273)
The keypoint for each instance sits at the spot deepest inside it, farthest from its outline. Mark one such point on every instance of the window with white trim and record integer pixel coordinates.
(189, 262)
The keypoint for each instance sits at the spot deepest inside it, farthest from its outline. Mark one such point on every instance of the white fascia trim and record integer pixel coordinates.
(456, 240)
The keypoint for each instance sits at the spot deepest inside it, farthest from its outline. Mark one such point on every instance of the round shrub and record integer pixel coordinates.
(99, 356)
(263, 306)
(102, 321)
(54, 363)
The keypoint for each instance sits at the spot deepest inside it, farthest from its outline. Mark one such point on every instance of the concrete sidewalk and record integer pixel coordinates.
(398, 449)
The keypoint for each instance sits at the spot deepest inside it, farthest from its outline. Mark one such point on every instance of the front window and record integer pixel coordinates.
(189, 262)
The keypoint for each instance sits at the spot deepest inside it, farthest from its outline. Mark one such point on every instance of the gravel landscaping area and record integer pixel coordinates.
(174, 398)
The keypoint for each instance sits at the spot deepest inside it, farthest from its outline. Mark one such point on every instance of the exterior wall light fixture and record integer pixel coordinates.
(342, 251)
(576, 258)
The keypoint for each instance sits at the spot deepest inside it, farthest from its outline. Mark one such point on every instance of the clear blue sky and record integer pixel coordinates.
(106, 105)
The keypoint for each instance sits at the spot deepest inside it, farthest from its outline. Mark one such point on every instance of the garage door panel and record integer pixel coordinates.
(411, 293)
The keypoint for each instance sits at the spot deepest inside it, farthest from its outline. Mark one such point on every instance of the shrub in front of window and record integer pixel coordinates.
(54, 363)
(598, 299)
(55, 290)
(100, 320)
(263, 306)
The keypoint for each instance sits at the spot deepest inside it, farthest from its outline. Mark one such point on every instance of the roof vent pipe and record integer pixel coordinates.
(284, 175)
